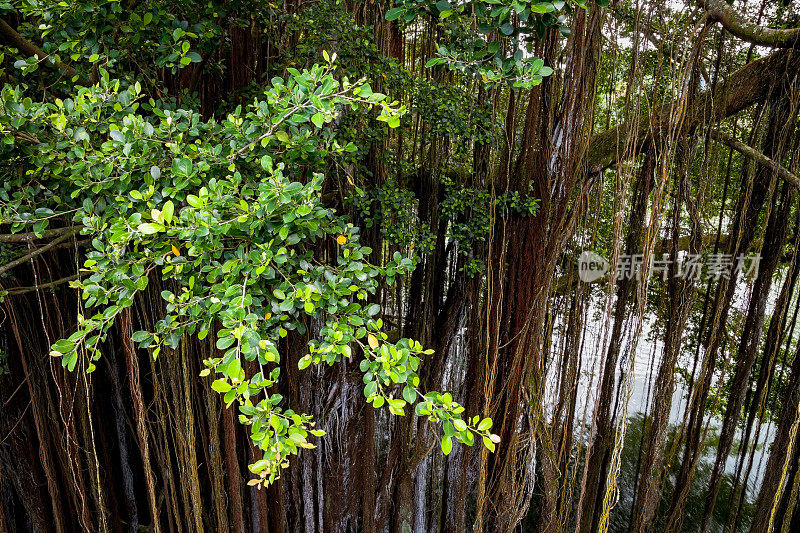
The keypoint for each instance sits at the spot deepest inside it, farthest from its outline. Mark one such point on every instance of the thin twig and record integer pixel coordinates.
(31, 236)
(49, 284)
(8, 266)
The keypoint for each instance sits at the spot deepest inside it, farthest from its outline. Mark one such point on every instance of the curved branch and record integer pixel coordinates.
(15, 39)
(650, 33)
(8, 266)
(32, 236)
(720, 11)
(756, 156)
(748, 85)
(645, 28)
(24, 290)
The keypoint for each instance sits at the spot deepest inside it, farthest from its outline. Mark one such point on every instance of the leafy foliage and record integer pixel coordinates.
(492, 39)
(223, 216)
(72, 32)
(470, 211)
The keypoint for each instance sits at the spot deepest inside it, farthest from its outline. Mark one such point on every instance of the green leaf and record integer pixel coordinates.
(221, 386)
(396, 407)
(259, 466)
(364, 91)
(468, 438)
(63, 346)
(409, 394)
(223, 343)
(447, 445)
(318, 119)
(298, 438)
(394, 13)
(139, 336)
(233, 369)
(181, 166)
(149, 228)
(168, 211)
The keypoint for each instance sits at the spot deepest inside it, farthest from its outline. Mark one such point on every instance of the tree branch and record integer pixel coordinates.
(18, 41)
(745, 87)
(27, 137)
(651, 34)
(756, 156)
(720, 11)
(23, 290)
(8, 266)
(31, 236)
(645, 28)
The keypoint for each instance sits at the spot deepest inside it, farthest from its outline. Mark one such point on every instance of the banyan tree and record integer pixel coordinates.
(400, 266)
